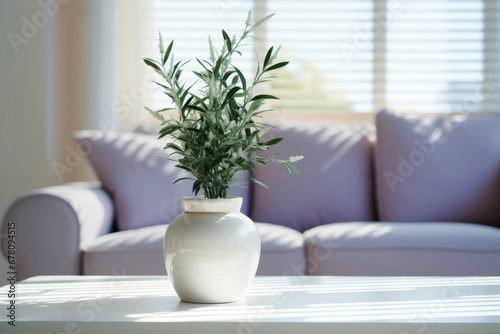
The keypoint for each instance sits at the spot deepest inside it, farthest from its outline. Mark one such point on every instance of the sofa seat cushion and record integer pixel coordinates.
(438, 168)
(382, 248)
(131, 252)
(335, 180)
(282, 250)
(140, 252)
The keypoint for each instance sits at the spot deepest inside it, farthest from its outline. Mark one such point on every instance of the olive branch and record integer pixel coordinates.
(215, 134)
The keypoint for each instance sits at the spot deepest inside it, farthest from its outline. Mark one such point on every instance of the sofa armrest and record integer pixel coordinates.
(53, 224)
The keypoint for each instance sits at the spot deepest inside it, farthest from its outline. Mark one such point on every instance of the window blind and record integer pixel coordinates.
(329, 70)
(436, 56)
(352, 56)
(189, 23)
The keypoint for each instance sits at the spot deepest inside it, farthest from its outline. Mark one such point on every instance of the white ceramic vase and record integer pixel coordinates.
(211, 250)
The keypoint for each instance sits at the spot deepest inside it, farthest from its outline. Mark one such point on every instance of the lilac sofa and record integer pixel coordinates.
(408, 195)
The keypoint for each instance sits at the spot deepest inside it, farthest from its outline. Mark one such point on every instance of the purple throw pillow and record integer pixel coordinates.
(334, 184)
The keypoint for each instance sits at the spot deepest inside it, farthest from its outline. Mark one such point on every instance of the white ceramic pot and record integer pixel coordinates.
(211, 250)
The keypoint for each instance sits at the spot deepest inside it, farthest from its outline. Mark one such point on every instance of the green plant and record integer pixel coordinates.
(215, 134)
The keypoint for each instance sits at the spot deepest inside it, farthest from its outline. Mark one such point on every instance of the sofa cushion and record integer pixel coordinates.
(140, 252)
(334, 182)
(444, 168)
(381, 248)
(132, 252)
(140, 183)
(282, 251)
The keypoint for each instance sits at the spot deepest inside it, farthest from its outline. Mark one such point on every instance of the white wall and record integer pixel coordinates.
(23, 96)
(56, 76)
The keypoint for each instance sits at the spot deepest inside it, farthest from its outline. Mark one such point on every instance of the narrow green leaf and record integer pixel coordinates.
(221, 183)
(162, 135)
(201, 63)
(273, 141)
(183, 178)
(152, 60)
(227, 39)
(173, 146)
(234, 107)
(254, 134)
(255, 106)
(170, 128)
(193, 130)
(167, 54)
(165, 109)
(196, 108)
(183, 167)
(217, 66)
(176, 66)
(263, 97)
(186, 92)
(276, 66)
(261, 162)
(151, 63)
(245, 167)
(187, 103)
(287, 168)
(217, 160)
(199, 75)
(178, 74)
(237, 186)
(162, 85)
(257, 181)
(290, 168)
(196, 186)
(242, 78)
(268, 56)
(230, 95)
(227, 75)
(169, 95)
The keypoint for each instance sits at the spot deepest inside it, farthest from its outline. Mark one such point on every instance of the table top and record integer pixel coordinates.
(273, 304)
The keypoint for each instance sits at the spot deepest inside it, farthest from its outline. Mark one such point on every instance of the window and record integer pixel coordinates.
(438, 54)
(353, 56)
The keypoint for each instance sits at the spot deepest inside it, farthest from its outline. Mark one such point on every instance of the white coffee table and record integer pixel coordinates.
(98, 304)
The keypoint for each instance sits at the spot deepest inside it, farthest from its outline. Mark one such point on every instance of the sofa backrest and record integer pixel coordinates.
(426, 169)
(335, 180)
(438, 168)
